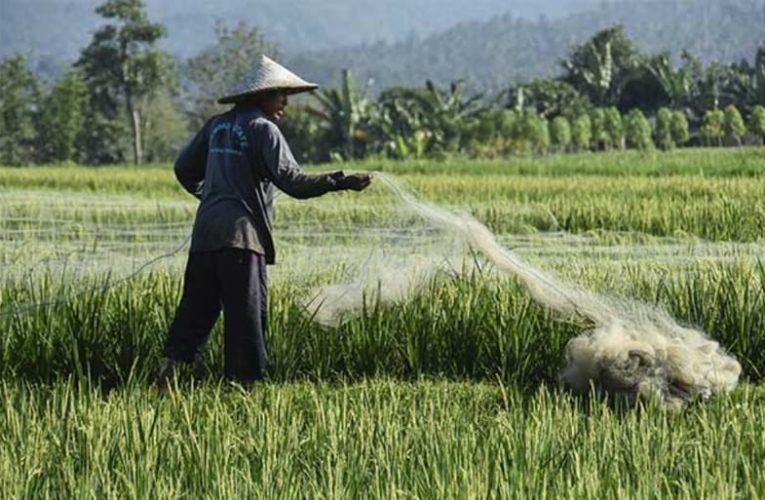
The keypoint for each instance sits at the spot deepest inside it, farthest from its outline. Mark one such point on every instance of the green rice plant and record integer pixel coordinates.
(380, 439)
(450, 393)
(475, 327)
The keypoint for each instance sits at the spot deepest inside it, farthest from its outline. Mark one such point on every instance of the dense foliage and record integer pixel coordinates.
(126, 100)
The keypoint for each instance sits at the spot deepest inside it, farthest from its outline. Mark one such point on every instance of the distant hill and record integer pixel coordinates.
(507, 48)
(56, 29)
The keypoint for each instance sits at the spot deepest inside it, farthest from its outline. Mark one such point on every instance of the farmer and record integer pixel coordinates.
(232, 166)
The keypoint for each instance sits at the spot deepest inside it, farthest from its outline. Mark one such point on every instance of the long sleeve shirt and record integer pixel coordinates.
(232, 166)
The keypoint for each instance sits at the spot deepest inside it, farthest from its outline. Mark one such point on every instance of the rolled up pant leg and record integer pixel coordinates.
(244, 292)
(199, 309)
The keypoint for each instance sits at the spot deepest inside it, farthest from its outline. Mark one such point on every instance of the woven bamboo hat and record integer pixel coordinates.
(267, 75)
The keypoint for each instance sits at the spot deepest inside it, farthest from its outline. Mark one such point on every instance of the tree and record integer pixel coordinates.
(602, 66)
(122, 66)
(560, 133)
(679, 126)
(399, 128)
(549, 98)
(492, 133)
(62, 118)
(19, 96)
(709, 90)
(166, 128)
(535, 130)
(664, 138)
(757, 122)
(215, 71)
(543, 139)
(450, 112)
(677, 84)
(305, 135)
(744, 84)
(343, 111)
(759, 75)
(598, 122)
(638, 130)
(614, 128)
(713, 126)
(642, 91)
(581, 132)
(106, 139)
(735, 128)
(443, 118)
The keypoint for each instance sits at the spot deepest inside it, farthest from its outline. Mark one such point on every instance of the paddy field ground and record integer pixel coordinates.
(451, 392)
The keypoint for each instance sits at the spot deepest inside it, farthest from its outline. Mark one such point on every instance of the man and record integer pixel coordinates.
(232, 166)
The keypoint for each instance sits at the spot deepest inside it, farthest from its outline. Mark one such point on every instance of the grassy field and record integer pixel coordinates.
(450, 394)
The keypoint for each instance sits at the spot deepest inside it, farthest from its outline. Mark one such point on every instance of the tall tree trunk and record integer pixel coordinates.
(135, 126)
(137, 137)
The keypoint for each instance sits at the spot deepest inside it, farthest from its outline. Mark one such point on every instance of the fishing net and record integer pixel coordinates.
(384, 245)
(632, 349)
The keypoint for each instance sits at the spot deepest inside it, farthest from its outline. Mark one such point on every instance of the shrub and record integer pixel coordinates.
(735, 128)
(713, 126)
(560, 133)
(757, 122)
(614, 128)
(680, 131)
(663, 135)
(638, 130)
(581, 132)
(534, 131)
(598, 125)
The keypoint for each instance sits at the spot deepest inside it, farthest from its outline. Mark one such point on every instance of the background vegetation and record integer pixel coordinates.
(127, 100)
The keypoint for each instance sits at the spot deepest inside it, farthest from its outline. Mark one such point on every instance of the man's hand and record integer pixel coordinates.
(355, 182)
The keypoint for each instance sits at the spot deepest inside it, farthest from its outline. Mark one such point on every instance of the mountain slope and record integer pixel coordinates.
(506, 49)
(59, 28)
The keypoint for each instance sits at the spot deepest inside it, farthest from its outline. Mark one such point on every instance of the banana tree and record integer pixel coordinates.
(677, 84)
(601, 67)
(400, 127)
(344, 112)
(745, 83)
(439, 116)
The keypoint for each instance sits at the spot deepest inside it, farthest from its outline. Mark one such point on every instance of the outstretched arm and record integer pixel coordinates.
(286, 174)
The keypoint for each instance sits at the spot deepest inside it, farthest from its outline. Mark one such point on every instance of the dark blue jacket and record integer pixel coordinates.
(232, 166)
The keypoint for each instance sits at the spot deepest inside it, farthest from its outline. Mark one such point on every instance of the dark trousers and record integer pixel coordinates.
(235, 280)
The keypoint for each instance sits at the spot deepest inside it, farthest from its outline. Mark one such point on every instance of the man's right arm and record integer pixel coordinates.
(283, 170)
(192, 162)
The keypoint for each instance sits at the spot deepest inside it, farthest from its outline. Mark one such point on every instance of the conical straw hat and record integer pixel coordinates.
(267, 75)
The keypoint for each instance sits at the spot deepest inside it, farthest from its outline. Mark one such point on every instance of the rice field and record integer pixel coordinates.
(451, 392)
